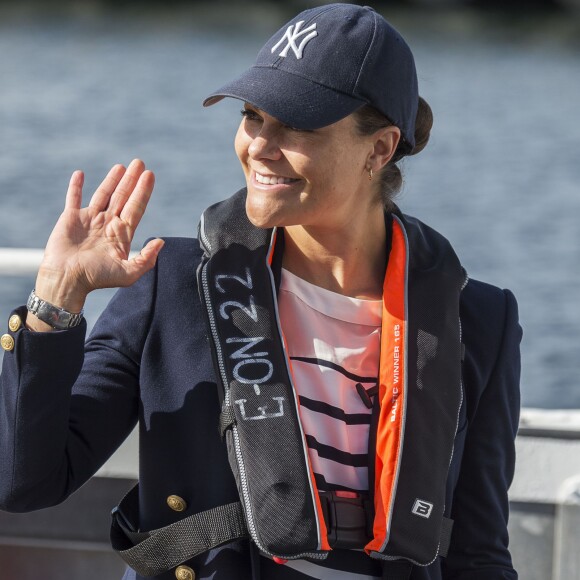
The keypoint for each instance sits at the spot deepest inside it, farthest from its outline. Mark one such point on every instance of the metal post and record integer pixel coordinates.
(567, 531)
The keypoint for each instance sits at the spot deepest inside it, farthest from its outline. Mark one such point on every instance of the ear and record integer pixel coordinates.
(385, 142)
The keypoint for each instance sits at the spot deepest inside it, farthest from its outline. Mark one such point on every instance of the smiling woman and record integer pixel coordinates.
(366, 391)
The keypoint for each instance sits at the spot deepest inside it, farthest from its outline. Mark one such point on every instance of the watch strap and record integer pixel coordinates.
(58, 318)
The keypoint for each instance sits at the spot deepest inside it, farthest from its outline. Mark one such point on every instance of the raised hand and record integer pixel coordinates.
(89, 247)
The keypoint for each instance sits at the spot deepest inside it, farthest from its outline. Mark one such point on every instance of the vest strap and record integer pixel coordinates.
(348, 517)
(445, 538)
(154, 552)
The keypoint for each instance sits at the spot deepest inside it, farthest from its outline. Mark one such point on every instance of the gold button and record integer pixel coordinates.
(176, 503)
(184, 573)
(7, 342)
(15, 323)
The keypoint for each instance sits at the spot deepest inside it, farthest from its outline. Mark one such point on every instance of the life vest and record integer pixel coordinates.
(416, 410)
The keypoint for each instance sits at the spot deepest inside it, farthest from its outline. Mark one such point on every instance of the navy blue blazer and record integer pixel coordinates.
(65, 407)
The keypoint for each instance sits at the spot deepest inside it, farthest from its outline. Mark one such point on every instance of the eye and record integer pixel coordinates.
(250, 115)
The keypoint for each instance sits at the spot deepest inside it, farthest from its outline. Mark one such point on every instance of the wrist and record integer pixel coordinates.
(36, 325)
(54, 288)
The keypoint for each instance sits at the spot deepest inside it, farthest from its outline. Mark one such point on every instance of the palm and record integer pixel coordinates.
(90, 246)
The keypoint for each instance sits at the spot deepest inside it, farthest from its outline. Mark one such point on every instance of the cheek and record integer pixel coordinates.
(241, 144)
(347, 165)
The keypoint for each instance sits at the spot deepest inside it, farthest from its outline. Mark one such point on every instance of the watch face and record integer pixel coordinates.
(62, 319)
(55, 317)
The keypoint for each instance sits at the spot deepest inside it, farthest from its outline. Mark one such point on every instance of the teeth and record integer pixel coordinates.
(272, 179)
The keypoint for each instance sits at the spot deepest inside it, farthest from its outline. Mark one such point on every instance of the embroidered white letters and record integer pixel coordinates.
(250, 359)
(292, 34)
(263, 414)
(396, 372)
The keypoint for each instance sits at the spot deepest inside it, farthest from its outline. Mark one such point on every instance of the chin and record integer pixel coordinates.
(260, 216)
(263, 220)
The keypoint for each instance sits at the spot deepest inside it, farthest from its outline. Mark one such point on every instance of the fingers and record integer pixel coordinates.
(118, 188)
(126, 186)
(74, 193)
(102, 196)
(136, 204)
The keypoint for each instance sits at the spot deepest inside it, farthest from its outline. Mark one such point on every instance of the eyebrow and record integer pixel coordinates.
(257, 109)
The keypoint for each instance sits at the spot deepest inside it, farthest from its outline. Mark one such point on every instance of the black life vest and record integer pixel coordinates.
(419, 385)
(414, 421)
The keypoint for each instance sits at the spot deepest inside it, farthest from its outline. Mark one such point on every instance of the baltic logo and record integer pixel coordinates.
(422, 508)
(293, 33)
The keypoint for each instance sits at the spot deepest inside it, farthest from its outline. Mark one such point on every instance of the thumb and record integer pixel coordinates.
(144, 261)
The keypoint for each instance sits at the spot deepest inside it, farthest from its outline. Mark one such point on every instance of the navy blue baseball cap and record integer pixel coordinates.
(326, 63)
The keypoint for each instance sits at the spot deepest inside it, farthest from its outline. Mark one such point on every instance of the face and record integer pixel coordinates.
(297, 177)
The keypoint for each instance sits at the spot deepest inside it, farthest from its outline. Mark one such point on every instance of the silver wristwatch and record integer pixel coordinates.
(54, 316)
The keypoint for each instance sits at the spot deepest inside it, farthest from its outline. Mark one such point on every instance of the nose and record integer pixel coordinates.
(265, 144)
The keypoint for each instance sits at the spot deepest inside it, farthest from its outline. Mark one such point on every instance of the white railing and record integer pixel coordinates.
(19, 261)
(22, 261)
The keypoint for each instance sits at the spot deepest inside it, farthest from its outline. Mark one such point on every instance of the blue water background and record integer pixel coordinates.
(500, 178)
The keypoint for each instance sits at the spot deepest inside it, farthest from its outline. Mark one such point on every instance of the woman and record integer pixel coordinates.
(367, 392)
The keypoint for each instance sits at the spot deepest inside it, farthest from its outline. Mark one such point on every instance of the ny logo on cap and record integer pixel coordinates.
(292, 34)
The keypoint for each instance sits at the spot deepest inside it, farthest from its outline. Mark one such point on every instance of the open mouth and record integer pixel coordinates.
(273, 179)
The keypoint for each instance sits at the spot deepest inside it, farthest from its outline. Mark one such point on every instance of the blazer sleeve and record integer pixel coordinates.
(479, 546)
(66, 407)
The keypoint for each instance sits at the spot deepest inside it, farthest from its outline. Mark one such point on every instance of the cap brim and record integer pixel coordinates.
(293, 100)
